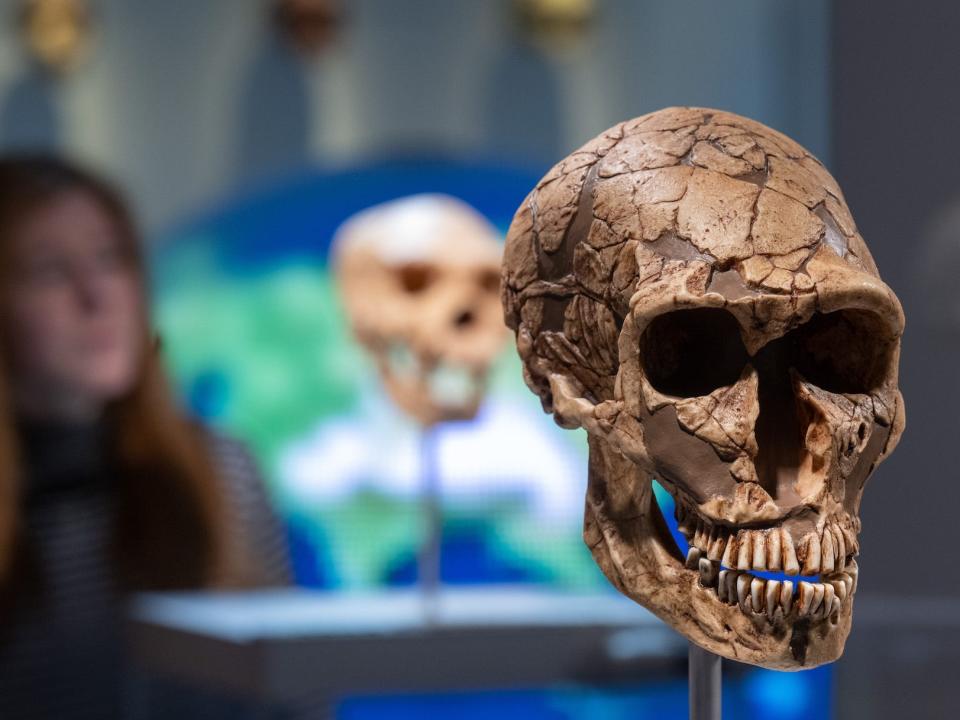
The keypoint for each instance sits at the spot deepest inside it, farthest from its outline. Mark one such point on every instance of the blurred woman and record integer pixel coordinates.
(106, 488)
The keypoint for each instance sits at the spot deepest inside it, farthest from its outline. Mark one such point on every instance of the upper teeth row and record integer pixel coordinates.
(770, 548)
(776, 598)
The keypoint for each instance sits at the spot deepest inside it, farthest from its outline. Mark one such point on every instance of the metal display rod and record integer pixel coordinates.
(704, 680)
(428, 565)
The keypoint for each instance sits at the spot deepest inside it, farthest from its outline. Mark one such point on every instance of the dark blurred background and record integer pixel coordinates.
(245, 133)
(190, 102)
(894, 110)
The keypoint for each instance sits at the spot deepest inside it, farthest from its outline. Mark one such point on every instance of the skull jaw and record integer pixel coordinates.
(630, 542)
(413, 396)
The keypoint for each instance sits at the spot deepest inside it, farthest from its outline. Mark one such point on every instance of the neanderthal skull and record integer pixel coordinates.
(691, 289)
(419, 279)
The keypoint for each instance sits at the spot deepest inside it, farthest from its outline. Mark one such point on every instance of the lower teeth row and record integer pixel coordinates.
(763, 596)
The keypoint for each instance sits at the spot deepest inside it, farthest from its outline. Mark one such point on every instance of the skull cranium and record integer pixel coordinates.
(691, 289)
(420, 278)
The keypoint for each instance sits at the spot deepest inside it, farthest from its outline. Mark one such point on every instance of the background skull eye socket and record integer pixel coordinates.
(688, 353)
(415, 277)
(847, 351)
(489, 280)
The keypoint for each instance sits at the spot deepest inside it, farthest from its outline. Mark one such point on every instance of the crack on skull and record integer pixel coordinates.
(670, 246)
(833, 237)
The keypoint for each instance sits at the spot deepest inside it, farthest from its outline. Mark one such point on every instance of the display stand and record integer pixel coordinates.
(428, 561)
(704, 680)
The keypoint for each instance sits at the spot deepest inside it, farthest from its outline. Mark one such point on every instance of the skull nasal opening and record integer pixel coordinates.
(464, 319)
(779, 431)
(840, 352)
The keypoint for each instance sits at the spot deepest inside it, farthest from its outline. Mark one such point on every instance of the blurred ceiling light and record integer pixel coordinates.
(556, 22)
(308, 25)
(55, 32)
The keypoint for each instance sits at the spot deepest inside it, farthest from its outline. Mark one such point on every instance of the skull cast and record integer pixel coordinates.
(420, 279)
(691, 289)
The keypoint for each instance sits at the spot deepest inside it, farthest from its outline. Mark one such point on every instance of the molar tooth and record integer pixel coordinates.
(840, 588)
(811, 560)
(732, 576)
(757, 592)
(708, 572)
(847, 584)
(705, 538)
(829, 595)
(773, 549)
(722, 585)
(743, 590)
(854, 572)
(839, 545)
(717, 546)
(730, 552)
(693, 557)
(817, 603)
(698, 535)
(805, 598)
(744, 551)
(790, 564)
(826, 552)
(849, 539)
(786, 596)
(773, 597)
(835, 607)
(759, 552)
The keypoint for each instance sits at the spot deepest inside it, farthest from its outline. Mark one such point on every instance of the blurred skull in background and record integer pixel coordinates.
(420, 278)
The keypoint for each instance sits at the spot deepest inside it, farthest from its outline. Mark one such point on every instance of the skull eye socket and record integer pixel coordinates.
(415, 277)
(689, 353)
(843, 351)
(489, 281)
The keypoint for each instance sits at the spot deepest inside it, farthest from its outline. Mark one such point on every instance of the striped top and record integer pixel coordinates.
(63, 655)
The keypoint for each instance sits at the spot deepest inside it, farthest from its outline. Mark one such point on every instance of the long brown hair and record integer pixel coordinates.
(169, 528)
